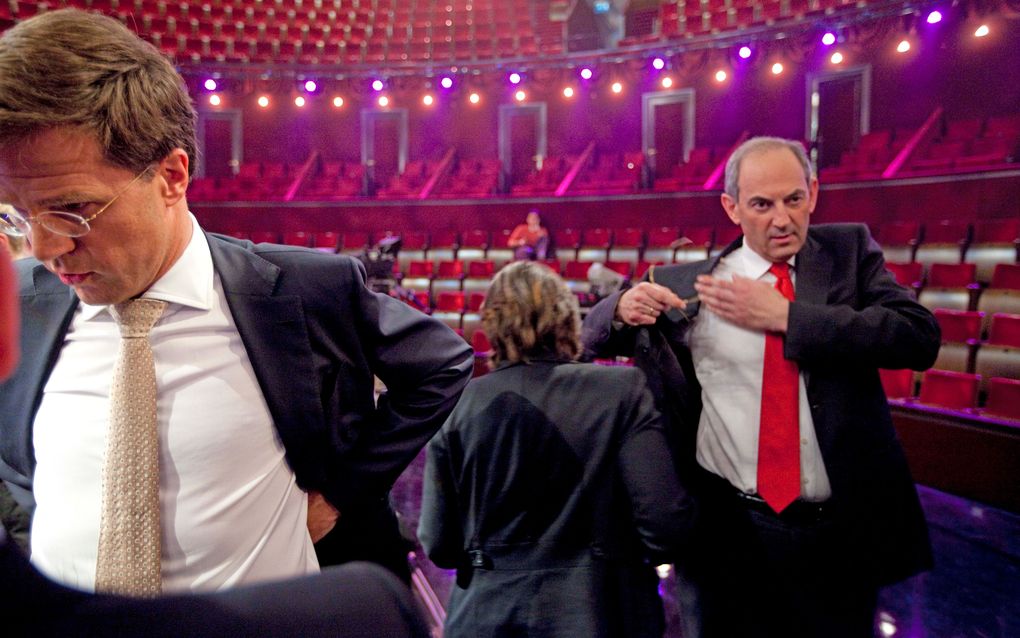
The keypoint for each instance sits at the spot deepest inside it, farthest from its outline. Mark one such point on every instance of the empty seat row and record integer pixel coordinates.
(983, 243)
(957, 391)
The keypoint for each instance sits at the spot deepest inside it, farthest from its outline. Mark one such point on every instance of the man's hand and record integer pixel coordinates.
(642, 304)
(747, 303)
(322, 516)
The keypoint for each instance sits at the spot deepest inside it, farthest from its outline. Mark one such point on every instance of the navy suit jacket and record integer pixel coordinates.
(849, 319)
(315, 335)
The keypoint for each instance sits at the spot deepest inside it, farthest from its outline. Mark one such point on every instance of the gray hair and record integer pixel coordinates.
(758, 144)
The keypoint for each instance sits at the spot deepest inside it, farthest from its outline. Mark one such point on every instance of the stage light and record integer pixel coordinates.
(428, 100)
(263, 101)
(617, 87)
(210, 85)
(515, 78)
(586, 73)
(338, 101)
(474, 98)
(720, 76)
(829, 39)
(777, 68)
(377, 85)
(446, 82)
(837, 58)
(744, 52)
(667, 82)
(658, 64)
(214, 100)
(384, 101)
(519, 96)
(568, 92)
(982, 31)
(299, 101)
(311, 86)
(903, 46)
(934, 17)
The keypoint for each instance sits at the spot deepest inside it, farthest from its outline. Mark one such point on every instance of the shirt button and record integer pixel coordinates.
(803, 441)
(805, 481)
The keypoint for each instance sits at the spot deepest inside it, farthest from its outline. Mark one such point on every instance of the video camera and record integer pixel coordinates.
(379, 260)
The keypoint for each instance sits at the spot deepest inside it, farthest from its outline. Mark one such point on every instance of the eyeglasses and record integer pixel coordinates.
(59, 222)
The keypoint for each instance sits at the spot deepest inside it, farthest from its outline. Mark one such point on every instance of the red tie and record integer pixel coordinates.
(779, 434)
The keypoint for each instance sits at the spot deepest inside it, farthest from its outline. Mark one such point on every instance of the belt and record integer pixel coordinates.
(796, 512)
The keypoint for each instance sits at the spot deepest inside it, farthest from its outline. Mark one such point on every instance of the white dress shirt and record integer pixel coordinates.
(230, 507)
(729, 361)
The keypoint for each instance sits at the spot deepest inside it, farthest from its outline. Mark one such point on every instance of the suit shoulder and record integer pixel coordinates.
(840, 232)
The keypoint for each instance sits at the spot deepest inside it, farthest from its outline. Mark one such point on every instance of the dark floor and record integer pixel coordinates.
(973, 592)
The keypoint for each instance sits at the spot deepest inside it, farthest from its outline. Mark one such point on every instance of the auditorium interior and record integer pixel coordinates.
(341, 124)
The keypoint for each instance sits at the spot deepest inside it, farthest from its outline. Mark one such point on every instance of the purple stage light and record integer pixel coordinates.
(586, 73)
(210, 84)
(658, 64)
(829, 39)
(446, 83)
(377, 85)
(934, 17)
(744, 52)
(311, 86)
(515, 78)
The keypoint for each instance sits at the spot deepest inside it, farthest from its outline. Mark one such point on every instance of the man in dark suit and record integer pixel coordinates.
(794, 539)
(265, 356)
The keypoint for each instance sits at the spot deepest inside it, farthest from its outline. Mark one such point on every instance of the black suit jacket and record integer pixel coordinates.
(315, 335)
(849, 319)
(546, 488)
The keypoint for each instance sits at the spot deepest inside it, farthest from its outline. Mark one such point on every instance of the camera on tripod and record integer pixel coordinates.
(379, 260)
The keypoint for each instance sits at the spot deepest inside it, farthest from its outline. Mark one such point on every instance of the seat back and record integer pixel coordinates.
(955, 390)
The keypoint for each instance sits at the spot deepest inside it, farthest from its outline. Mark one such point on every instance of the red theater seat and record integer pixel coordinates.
(898, 384)
(264, 237)
(297, 238)
(899, 240)
(950, 286)
(1003, 398)
(954, 390)
(907, 275)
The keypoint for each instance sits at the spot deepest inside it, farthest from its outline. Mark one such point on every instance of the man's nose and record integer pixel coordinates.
(780, 216)
(47, 245)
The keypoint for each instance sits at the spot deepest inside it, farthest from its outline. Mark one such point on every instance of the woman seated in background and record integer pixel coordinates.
(529, 240)
(550, 488)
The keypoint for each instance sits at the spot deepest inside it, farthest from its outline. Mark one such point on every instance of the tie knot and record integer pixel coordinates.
(137, 316)
(781, 270)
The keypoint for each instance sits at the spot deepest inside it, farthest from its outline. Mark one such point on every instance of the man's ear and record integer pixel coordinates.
(730, 206)
(174, 170)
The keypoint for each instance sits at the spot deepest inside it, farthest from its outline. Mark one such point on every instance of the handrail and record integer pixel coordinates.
(915, 139)
(441, 171)
(299, 179)
(568, 179)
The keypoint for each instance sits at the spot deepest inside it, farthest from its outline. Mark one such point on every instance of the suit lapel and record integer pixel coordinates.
(273, 328)
(681, 281)
(46, 312)
(814, 273)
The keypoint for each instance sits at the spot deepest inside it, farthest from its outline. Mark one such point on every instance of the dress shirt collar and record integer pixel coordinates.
(189, 282)
(753, 265)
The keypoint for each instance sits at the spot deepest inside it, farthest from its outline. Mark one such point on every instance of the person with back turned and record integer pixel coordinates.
(766, 361)
(550, 488)
(193, 411)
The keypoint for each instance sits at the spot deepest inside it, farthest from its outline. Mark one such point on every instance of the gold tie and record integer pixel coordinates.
(129, 530)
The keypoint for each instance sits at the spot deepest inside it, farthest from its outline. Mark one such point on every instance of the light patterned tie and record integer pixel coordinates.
(129, 530)
(779, 434)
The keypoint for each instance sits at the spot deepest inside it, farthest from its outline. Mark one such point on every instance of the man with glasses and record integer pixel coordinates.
(267, 431)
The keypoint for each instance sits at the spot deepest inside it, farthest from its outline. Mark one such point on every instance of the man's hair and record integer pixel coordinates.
(757, 145)
(70, 68)
(530, 313)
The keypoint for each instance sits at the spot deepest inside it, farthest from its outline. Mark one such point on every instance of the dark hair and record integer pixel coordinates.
(71, 68)
(529, 312)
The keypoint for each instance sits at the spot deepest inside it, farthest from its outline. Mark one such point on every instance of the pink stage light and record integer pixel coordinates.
(338, 101)
(215, 100)
(829, 39)
(263, 101)
(377, 85)
(446, 82)
(210, 85)
(744, 52)
(934, 17)
(658, 64)
(515, 78)
(586, 73)
(299, 101)
(311, 86)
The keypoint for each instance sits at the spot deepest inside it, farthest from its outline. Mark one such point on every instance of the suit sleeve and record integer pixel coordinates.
(439, 528)
(424, 366)
(876, 323)
(598, 336)
(662, 508)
